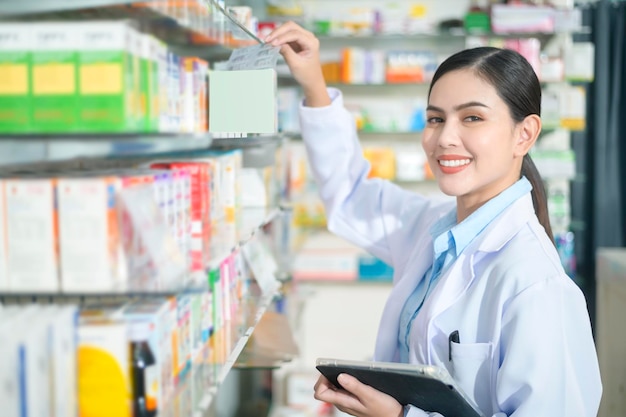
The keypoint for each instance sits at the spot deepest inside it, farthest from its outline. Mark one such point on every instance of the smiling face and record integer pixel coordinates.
(474, 147)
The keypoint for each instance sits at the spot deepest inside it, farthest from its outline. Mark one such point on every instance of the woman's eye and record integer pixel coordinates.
(473, 119)
(433, 120)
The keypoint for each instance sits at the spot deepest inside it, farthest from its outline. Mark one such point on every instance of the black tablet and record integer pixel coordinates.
(427, 387)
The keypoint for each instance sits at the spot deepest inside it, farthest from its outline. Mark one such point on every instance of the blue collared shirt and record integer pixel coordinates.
(449, 241)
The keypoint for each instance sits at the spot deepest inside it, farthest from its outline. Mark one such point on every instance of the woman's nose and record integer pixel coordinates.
(448, 135)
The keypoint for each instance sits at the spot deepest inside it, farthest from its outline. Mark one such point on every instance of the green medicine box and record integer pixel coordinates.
(110, 78)
(15, 77)
(55, 100)
(149, 92)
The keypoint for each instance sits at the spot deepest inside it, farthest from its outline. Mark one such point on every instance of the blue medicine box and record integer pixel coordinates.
(373, 269)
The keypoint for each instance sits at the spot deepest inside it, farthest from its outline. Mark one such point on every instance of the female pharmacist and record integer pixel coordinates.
(483, 265)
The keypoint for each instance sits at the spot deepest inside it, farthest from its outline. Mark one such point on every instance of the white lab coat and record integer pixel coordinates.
(526, 347)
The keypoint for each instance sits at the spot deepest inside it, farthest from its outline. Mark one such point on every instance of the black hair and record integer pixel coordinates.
(516, 83)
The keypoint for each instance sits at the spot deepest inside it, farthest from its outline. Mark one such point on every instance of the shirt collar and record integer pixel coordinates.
(447, 233)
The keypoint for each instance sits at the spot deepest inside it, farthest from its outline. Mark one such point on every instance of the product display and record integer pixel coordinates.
(132, 357)
(118, 230)
(97, 77)
(145, 295)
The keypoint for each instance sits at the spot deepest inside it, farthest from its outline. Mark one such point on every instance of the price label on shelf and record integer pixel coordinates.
(262, 264)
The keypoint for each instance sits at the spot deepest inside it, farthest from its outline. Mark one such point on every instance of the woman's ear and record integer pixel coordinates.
(527, 134)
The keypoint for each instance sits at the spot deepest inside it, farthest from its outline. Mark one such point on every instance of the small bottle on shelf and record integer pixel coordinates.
(142, 359)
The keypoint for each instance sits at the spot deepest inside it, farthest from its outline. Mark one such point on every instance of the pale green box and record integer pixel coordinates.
(242, 101)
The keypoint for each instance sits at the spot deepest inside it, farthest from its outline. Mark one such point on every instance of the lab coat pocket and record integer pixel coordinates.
(471, 369)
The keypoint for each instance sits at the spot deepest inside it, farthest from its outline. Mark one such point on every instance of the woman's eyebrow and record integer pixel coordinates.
(458, 107)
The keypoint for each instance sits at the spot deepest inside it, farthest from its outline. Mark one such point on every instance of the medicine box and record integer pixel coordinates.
(104, 383)
(64, 321)
(34, 331)
(89, 240)
(4, 277)
(31, 235)
(12, 394)
(149, 93)
(16, 45)
(55, 80)
(160, 378)
(110, 78)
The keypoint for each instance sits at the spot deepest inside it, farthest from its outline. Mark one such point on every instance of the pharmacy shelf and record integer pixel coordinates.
(373, 135)
(209, 370)
(17, 150)
(388, 86)
(379, 85)
(250, 141)
(10, 7)
(226, 239)
(232, 237)
(207, 24)
(285, 77)
(403, 133)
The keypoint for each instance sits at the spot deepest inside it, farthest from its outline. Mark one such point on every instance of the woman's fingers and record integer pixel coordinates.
(337, 397)
(300, 48)
(287, 27)
(321, 381)
(361, 399)
(298, 41)
(355, 387)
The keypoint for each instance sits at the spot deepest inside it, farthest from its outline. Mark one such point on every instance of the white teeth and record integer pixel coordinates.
(454, 163)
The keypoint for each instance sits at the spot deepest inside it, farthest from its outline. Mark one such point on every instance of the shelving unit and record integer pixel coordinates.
(36, 149)
(227, 239)
(444, 35)
(209, 32)
(197, 392)
(209, 25)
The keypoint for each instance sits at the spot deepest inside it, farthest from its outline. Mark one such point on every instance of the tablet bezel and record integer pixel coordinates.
(438, 388)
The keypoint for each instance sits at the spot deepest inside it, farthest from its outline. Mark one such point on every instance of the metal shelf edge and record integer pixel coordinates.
(264, 304)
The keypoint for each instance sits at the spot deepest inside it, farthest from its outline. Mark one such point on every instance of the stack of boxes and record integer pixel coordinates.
(83, 231)
(121, 359)
(96, 77)
(134, 229)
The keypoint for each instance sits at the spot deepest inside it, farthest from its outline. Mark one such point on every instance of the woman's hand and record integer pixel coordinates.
(357, 399)
(301, 50)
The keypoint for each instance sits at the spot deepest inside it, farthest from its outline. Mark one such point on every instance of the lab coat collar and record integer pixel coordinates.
(500, 231)
(454, 282)
(504, 227)
(460, 276)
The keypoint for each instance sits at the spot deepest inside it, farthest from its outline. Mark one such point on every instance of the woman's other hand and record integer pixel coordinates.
(357, 399)
(301, 50)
